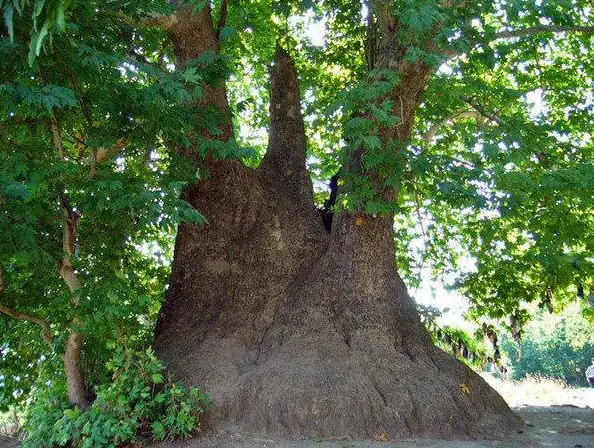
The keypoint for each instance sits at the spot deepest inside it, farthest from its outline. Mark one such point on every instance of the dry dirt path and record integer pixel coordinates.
(554, 427)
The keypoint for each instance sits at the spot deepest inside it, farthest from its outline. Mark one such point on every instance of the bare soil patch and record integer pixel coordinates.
(555, 426)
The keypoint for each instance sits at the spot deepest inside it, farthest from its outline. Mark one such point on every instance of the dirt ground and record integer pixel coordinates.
(553, 426)
(567, 426)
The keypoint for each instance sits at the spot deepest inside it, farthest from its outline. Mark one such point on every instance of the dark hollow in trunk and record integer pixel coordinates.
(296, 332)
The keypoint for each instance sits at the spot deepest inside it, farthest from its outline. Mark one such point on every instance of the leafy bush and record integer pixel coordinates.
(555, 346)
(139, 405)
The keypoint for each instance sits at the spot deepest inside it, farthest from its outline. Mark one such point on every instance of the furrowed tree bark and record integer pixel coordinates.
(295, 332)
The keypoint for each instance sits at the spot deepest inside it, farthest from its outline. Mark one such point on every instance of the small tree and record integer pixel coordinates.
(89, 198)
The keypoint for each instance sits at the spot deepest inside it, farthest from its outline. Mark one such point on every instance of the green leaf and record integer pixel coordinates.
(41, 37)
(157, 378)
(60, 15)
(158, 430)
(227, 32)
(412, 55)
(8, 14)
(38, 8)
(198, 5)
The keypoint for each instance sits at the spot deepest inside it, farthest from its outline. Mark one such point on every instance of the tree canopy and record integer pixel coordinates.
(98, 139)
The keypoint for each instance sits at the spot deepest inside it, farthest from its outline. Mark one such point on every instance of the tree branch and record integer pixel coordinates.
(155, 20)
(480, 109)
(101, 155)
(46, 331)
(11, 121)
(509, 34)
(77, 390)
(98, 155)
(54, 127)
(435, 128)
(222, 18)
(71, 218)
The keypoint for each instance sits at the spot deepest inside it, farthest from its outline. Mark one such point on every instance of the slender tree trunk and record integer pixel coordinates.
(78, 392)
(297, 332)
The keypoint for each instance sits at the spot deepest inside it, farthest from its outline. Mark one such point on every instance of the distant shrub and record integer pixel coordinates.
(554, 346)
(139, 405)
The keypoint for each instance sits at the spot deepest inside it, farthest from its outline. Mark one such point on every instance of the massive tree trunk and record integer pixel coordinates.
(295, 332)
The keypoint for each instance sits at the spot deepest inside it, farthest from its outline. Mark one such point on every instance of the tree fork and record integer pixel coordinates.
(286, 152)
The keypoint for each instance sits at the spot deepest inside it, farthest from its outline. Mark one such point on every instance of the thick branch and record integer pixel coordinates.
(385, 18)
(370, 41)
(104, 154)
(101, 155)
(222, 18)
(77, 391)
(11, 121)
(71, 218)
(152, 20)
(192, 36)
(509, 34)
(531, 31)
(46, 331)
(286, 140)
(286, 153)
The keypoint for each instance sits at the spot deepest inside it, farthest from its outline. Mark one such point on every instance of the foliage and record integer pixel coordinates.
(556, 346)
(139, 405)
(498, 168)
(465, 346)
(90, 124)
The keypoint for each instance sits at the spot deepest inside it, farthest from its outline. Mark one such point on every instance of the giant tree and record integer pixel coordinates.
(422, 109)
(299, 331)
